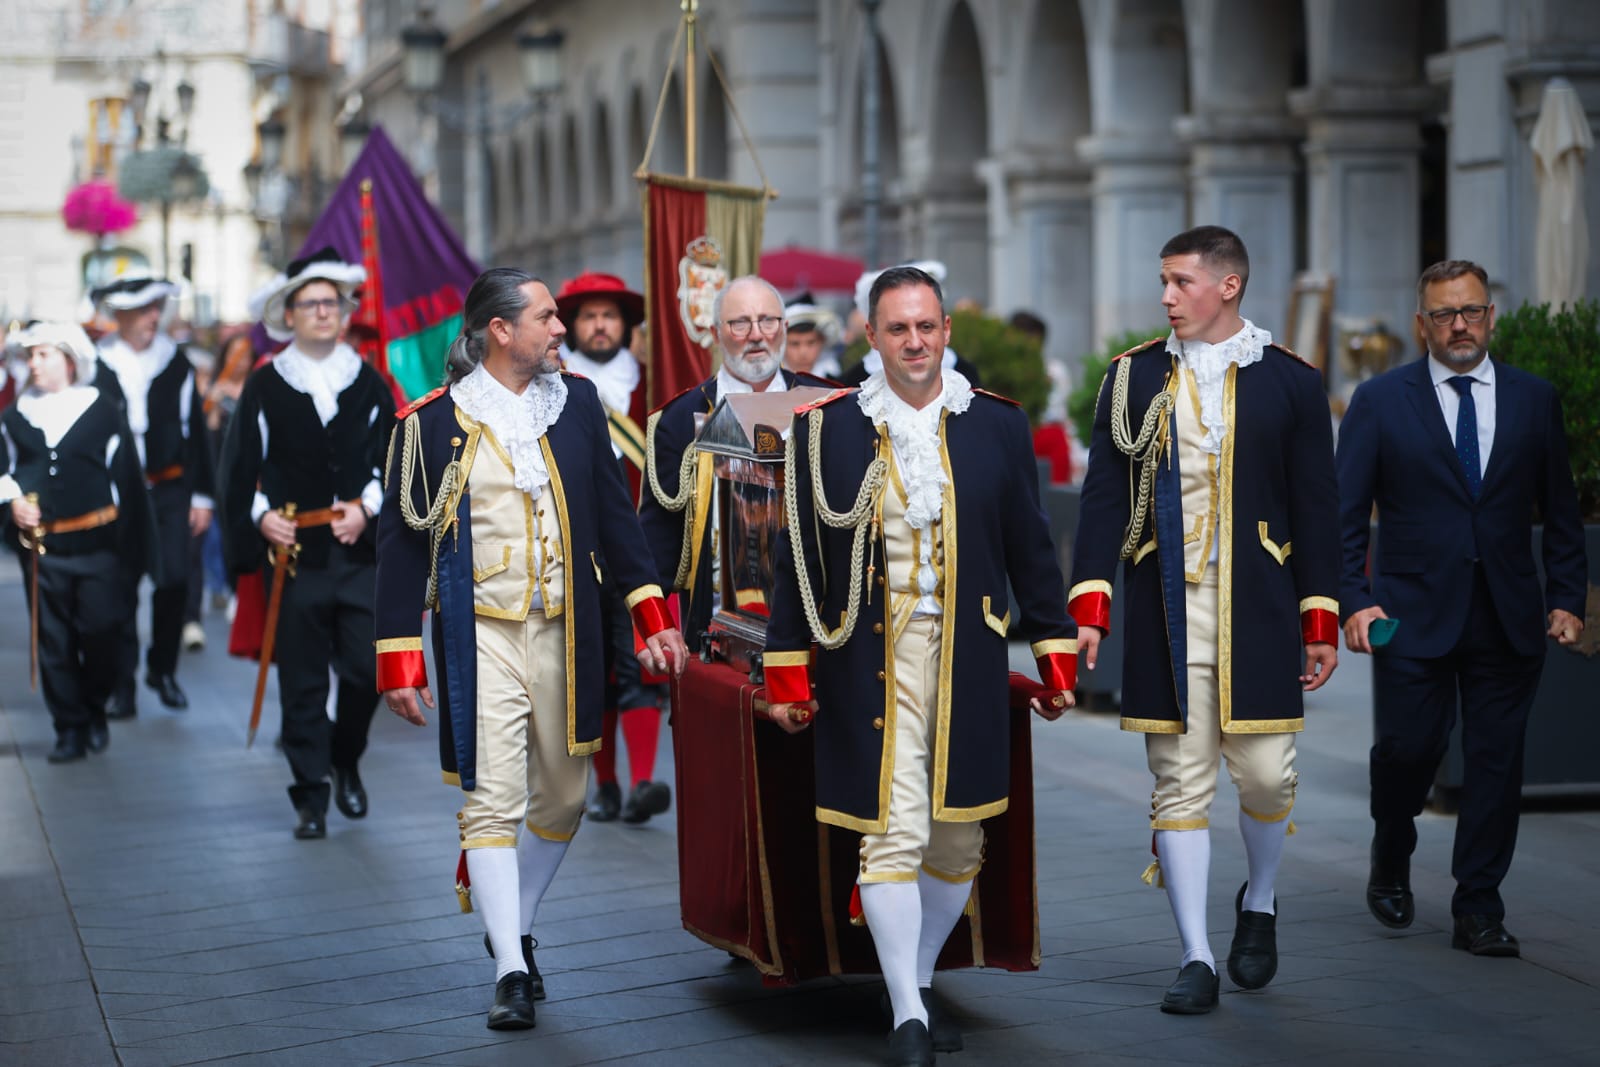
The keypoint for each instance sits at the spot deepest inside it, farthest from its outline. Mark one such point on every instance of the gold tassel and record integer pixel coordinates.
(1292, 830)
(464, 895)
(1152, 875)
(970, 910)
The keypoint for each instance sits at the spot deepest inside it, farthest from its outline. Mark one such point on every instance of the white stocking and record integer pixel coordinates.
(942, 904)
(493, 872)
(894, 915)
(1263, 847)
(537, 860)
(1185, 867)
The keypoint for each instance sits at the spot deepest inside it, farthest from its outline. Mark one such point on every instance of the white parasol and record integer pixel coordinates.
(1561, 138)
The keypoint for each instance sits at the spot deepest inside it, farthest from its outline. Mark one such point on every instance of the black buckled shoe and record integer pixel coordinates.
(910, 1045)
(166, 687)
(1195, 991)
(313, 824)
(1389, 892)
(513, 1008)
(70, 747)
(98, 736)
(535, 979)
(348, 793)
(946, 1035)
(646, 799)
(1484, 935)
(607, 803)
(1253, 956)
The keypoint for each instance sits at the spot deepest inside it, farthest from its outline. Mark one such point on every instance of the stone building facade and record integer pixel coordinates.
(1043, 149)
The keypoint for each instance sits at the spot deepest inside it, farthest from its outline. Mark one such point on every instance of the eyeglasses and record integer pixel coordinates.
(1472, 313)
(328, 304)
(739, 329)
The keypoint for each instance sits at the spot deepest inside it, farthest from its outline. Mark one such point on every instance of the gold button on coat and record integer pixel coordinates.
(881, 676)
(877, 724)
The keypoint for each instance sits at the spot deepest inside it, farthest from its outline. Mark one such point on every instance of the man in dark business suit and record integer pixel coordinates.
(1457, 451)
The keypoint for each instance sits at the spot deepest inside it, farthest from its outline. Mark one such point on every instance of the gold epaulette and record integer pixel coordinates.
(572, 373)
(676, 397)
(1295, 356)
(830, 398)
(997, 396)
(1136, 349)
(426, 398)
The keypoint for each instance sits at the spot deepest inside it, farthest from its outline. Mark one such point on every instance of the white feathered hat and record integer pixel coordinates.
(864, 283)
(323, 265)
(133, 290)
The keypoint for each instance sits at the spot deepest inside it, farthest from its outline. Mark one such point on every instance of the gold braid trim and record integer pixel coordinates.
(858, 517)
(1145, 449)
(686, 486)
(436, 519)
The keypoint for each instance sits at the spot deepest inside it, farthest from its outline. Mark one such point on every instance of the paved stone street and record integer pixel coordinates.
(154, 910)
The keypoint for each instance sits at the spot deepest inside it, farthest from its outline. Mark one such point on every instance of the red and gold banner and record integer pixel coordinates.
(698, 236)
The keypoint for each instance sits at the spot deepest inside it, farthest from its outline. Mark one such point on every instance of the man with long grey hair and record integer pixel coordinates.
(505, 513)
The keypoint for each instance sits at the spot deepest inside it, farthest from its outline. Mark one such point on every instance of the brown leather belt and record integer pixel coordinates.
(319, 517)
(96, 518)
(165, 474)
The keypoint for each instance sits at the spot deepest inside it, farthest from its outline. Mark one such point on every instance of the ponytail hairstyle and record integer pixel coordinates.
(497, 294)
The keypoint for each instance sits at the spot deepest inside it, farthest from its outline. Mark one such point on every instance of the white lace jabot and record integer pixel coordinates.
(517, 422)
(320, 379)
(1210, 363)
(914, 435)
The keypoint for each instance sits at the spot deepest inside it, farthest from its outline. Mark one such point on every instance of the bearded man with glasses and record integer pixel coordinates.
(750, 334)
(1458, 452)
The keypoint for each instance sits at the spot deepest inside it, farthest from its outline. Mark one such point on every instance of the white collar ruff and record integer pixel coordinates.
(135, 371)
(615, 380)
(914, 435)
(53, 414)
(320, 379)
(517, 422)
(1210, 363)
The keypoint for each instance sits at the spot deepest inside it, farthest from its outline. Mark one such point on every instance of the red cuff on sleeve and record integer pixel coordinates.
(1091, 609)
(401, 670)
(1059, 671)
(1319, 626)
(650, 616)
(788, 683)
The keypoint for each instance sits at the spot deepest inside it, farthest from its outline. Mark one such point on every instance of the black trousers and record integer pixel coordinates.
(170, 503)
(1416, 702)
(83, 607)
(326, 621)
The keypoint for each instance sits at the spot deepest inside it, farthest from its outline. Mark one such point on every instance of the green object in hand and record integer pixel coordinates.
(1381, 631)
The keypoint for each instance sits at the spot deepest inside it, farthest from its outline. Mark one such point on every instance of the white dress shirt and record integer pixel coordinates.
(1482, 401)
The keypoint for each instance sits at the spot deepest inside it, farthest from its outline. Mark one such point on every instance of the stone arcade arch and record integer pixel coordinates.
(951, 221)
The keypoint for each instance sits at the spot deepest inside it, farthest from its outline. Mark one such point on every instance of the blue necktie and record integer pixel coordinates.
(1467, 435)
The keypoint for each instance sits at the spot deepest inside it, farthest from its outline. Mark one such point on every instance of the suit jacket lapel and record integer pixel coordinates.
(1426, 404)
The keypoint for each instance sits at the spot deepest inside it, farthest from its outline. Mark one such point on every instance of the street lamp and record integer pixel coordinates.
(166, 173)
(539, 50)
(272, 133)
(353, 137)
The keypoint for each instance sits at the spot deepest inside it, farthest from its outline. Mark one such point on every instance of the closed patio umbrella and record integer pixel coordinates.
(1561, 138)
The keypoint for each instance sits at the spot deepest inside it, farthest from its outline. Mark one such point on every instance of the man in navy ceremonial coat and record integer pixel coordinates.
(505, 513)
(912, 742)
(1211, 480)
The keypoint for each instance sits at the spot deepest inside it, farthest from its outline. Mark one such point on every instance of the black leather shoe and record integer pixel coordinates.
(535, 979)
(513, 1010)
(607, 802)
(313, 824)
(1253, 956)
(122, 704)
(70, 746)
(910, 1045)
(1484, 935)
(98, 736)
(647, 798)
(348, 794)
(945, 1033)
(166, 687)
(1195, 991)
(1389, 892)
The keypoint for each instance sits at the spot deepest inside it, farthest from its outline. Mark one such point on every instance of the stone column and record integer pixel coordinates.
(1140, 200)
(1241, 172)
(1361, 148)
